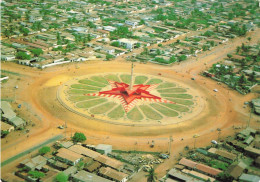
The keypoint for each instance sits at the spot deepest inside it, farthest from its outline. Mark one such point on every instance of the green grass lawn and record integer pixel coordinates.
(78, 98)
(91, 103)
(181, 101)
(172, 90)
(176, 107)
(113, 78)
(179, 96)
(154, 81)
(103, 108)
(117, 112)
(150, 113)
(164, 110)
(126, 78)
(135, 114)
(76, 91)
(140, 79)
(100, 79)
(166, 85)
(86, 87)
(92, 83)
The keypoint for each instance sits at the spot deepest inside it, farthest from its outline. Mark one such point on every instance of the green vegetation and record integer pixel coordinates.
(166, 85)
(81, 98)
(88, 104)
(165, 111)
(78, 137)
(86, 87)
(126, 78)
(181, 101)
(140, 79)
(176, 107)
(44, 150)
(150, 113)
(180, 96)
(76, 91)
(22, 56)
(61, 177)
(92, 83)
(103, 108)
(113, 78)
(99, 79)
(154, 81)
(37, 52)
(172, 90)
(117, 112)
(134, 114)
(36, 174)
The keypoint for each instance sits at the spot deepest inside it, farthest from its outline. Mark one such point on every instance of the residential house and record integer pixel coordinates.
(93, 167)
(70, 171)
(35, 163)
(84, 151)
(175, 175)
(112, 174)
(113, 163)
(253, 152)
(83, 176)
(198, 175)
(127, 43)
(68, 156)
(222, 153)
(104, 149)
(199, 167)
(17, 122)
(7, 111)
(6, 127)
(235, 170)
(249, 178)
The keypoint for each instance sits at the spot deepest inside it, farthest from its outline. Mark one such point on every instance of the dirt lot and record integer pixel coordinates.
(223, 109)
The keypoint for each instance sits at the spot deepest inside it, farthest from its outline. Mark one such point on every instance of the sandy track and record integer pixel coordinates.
(219, 111)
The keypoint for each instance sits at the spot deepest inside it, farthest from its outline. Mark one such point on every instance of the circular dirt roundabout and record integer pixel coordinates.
(153, 100)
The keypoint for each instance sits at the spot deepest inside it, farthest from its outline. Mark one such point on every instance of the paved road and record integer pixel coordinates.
(57, 137)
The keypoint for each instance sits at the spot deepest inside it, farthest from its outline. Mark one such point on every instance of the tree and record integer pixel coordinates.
(182, 57)
(37, 52)
(151, 176)
(252, 77)
(242, 80)
(36, 174)
(249, 38)
(24, 31)
(116, 44)
(44, 150)
(22, 56)
(224, 177)
(238, 49)
(109, 56)
(4, 133)
(172, 59)
(61, 177)
(79, 137)
(229, 56)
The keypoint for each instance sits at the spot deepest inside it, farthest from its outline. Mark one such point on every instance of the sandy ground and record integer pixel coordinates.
(224, 109)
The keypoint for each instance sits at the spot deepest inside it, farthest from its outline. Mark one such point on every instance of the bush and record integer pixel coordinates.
(36, 174)
(61, 177)
(79, 137)
(44, 150)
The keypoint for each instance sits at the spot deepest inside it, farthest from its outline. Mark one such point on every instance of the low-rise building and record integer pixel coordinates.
(83, 176)
(249, 178)
(17, 122)
(68, 156)
(104, 149)
(70, 171)
(127, 43)
(112, 174)
(235, 170)
(113, 163)
(222, 153)
(35, 163)
(84, 151)
(6, 127)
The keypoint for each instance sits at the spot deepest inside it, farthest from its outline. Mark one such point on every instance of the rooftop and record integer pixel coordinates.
(89, 177)
(68, 154)
(84, 151)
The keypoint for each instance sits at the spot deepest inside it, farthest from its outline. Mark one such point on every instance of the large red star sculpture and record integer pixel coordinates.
(129, 98)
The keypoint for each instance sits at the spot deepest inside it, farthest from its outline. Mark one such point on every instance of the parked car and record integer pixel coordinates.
(214, 142)
(164, 156)
(215, 90)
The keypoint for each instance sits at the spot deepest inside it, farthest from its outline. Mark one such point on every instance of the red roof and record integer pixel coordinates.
(199, 167)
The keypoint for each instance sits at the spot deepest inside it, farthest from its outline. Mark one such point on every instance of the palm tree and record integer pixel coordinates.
(151, 176)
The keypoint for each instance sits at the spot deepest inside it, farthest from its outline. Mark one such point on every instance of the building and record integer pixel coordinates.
(7, 111)
(199, 167)
(83, 176)
(68, 156)
(112, 174)
(104, 149)
(113, 163)
(249, 178)
(253, 152)
(70, 171)
(198, 175)
(175, 175)
(127, 43)
(17, 122)
(235, 170)
(93, 167)
(6, 127)
(84, 151)
(222, 153)
(35, 163)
